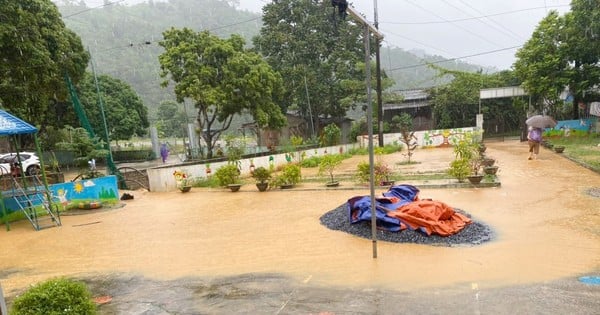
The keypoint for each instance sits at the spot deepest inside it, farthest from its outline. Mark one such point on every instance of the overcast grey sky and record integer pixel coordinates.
(450, 28)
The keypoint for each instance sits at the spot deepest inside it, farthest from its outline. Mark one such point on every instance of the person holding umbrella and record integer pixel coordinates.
(534, 136)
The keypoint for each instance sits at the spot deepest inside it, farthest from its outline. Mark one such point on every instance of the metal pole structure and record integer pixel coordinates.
(3, 308)
(312, 123)
(110, 162)
(370, 128)
(378, 77)
(369, 29)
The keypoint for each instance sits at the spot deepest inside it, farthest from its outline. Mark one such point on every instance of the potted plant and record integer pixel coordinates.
(490, 170)
(183, 182)
(475, 165)
(468, 160)
(262, 176)
(382, 174)
(328, 164)
(459, 169)
(229, 176)
(290, 176)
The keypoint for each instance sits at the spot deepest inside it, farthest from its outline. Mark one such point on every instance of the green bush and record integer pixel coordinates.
(290, 175)
(261, 174)
(312, 161)
(459, 169)
(363, 172)
(331, 135)
(132, 155)
(329, 163)
(56, 296)
(227, 174)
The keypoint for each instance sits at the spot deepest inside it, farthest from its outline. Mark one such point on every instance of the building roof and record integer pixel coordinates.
(11, 125)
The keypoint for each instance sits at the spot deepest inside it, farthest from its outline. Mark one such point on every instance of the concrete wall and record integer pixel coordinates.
(161, 179)
(425, 139)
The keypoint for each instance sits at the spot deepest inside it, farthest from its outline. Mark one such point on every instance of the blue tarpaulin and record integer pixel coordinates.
(11, 125)
(359, 208)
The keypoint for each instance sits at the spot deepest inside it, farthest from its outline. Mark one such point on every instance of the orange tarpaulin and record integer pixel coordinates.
(430, 216)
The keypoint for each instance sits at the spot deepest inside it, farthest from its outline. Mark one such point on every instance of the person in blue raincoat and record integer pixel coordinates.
(164, 152)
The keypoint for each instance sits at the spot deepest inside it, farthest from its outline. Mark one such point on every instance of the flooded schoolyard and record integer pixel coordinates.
(185, 246)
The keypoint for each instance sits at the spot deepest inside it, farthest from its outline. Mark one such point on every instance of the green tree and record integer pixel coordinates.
(541, 63)
(222, 79)
(457, 103)
(170, 119)
(36, 50)
(125, 113)
(315, 51)
(84, 147)
(563, 52)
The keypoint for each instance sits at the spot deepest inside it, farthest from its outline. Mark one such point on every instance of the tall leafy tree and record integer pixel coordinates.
(582, 46)
(37, 51)
(170, 119)
(541, 64)
(222, 78)
(563, 52)
(124, 111)
(457, 103)
(315, 51)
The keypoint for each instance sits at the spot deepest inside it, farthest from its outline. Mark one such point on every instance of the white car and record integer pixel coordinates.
(29, 161)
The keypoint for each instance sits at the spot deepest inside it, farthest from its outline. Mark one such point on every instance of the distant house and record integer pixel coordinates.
(417, 104)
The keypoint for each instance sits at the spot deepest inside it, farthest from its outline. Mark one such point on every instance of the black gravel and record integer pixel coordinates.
(473, 234)
(594, 192)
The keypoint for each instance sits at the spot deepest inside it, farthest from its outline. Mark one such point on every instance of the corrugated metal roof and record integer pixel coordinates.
(11, 125)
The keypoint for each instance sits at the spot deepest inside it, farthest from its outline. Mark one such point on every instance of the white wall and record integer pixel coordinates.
(161, 178)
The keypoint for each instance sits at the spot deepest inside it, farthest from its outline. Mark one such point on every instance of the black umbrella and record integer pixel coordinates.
(541, 121)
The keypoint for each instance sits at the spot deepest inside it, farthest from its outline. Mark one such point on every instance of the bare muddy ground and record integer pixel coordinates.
(211, 251)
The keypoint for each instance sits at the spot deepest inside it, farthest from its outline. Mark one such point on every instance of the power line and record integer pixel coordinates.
(475, 17)
(92, 8)
(154, 42)
(502, 27)
(455, 25)
(454, 59)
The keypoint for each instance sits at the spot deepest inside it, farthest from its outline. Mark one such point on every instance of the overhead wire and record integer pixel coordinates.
(452, 23)
(499, 27)
(474, 17)
(92, 8)
(457, 58)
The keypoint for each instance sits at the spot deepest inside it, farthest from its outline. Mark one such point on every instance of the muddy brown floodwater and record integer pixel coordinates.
(546, 228)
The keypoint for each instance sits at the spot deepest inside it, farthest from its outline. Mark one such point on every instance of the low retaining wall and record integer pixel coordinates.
(425, 139)
(161, 179)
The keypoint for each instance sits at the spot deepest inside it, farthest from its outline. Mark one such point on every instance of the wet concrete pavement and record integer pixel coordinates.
(213, 252)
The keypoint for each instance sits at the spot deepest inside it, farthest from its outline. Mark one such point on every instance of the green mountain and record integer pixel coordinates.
(123, 41)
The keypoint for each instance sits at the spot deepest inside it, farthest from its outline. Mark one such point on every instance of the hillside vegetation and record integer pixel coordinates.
(123, 41)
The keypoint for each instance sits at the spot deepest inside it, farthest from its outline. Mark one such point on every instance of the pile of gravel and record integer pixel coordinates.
(594, 192)
(473, 234)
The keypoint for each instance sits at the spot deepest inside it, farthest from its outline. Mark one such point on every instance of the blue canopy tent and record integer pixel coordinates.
(13, 126)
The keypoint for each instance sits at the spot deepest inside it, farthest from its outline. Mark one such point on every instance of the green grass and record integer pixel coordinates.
(583, 149)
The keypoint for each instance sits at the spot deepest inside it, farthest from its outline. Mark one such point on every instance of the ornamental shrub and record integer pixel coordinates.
(53, 297)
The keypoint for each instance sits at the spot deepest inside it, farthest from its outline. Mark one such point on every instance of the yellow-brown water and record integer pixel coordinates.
(546, 228)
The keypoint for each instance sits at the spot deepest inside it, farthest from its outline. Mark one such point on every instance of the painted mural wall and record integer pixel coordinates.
(102, 189)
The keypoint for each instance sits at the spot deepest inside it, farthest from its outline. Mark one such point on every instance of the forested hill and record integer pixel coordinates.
(123, 41)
